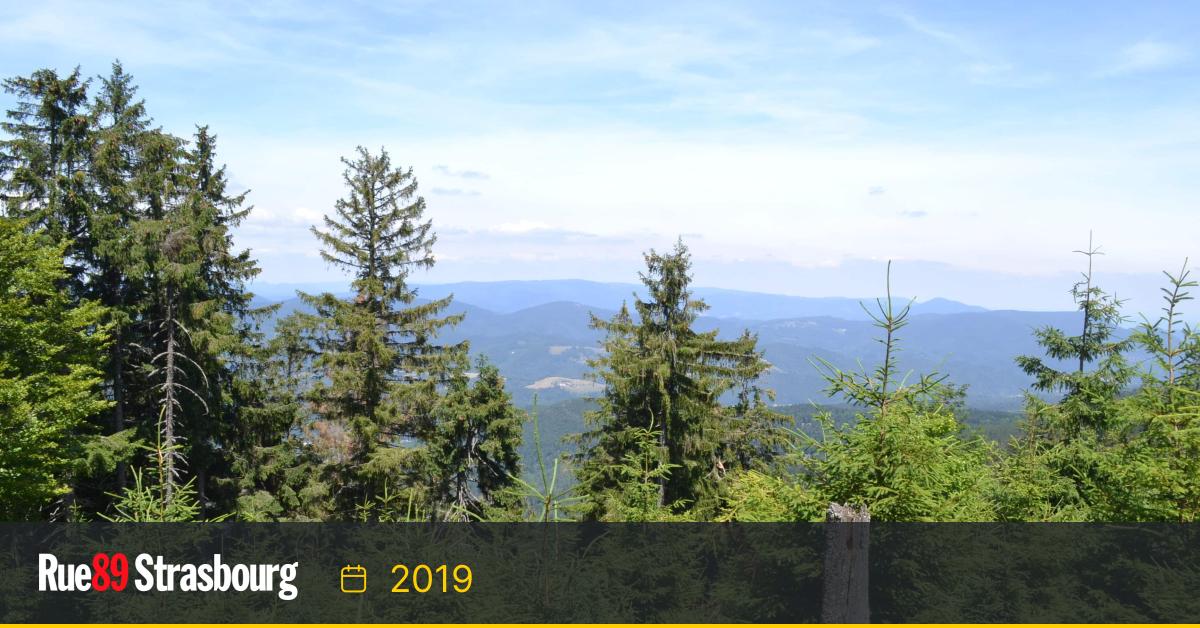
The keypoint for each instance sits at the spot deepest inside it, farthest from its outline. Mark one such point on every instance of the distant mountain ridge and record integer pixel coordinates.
(544, 348)
(506, 297)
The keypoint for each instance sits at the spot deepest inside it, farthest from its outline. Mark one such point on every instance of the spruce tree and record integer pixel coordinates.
(1087, 393)
(905, 457)
(661, 375)
(473, 456)
(278, 464)
(169, 260)
(1063, 460)
(44, 160)
(50, 353)
(224, 337)
(377, 352)
(119, 127)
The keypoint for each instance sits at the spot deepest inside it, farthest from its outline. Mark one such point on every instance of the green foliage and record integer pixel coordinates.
(160, 500)
(756, 496)
(376, 374)
(44, 157)
(906, 457)
(545, 502)
(49, 378)
(639, 478)
(123, 297)
(143, 502)
(909, 463)
(1087, 393)
(472, 455)
(882, 386)
(663, 377)
(1104, 453)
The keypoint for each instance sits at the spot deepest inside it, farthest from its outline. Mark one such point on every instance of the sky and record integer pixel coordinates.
(794, 146)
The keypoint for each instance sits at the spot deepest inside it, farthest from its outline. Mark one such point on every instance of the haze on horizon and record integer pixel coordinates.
(794, 146)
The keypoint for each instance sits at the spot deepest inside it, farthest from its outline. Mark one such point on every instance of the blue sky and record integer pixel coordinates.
(792, 144)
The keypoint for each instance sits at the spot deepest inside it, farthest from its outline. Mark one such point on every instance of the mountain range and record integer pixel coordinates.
(538, 334)
(506, 297)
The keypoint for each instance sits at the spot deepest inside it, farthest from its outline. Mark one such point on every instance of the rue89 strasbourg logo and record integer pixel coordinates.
(111, 572)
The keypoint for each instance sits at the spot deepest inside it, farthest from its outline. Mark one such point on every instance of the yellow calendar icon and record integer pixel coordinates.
(354, 579)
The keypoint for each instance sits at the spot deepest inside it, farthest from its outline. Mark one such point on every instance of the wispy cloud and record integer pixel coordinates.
(939, 33)
(984, 64)
(1145, 56)
(461, 174)
(555, 126)
(454, 192)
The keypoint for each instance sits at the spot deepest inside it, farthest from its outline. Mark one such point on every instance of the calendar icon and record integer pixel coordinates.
(354, 579)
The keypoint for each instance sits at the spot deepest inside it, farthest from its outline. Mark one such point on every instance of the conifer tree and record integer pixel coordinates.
(1062, 462)
(905, 456)
(119, 127)
(169, 260)
(884, 385)
(1154, 474)
(472, 455)
(1087, 394)
(279, 470)
(50, 351)
(381, 366)
(44, 159)
(662, 375)
(224, 337)
(1169, 340)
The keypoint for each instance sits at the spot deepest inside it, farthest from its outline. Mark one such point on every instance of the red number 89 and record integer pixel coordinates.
(108, 572)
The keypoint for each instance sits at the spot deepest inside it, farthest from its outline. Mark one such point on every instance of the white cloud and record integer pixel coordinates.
(940, 34)
(1145, 56)
(521, 226)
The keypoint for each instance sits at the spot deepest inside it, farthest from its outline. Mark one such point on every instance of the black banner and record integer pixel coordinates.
(579, 572)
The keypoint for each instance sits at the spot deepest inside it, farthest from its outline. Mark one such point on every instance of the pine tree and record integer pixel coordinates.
(663, 376)
(170, 260)
(381, 366)
(50, 351)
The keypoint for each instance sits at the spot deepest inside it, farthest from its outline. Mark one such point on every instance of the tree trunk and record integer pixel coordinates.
(168, 478)
(847, 538)
(118, 415)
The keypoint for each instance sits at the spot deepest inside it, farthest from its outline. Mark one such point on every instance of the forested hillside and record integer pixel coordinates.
(141, 380)
(535, 345)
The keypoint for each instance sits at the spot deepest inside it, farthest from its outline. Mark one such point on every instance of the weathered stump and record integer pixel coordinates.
(844, 597)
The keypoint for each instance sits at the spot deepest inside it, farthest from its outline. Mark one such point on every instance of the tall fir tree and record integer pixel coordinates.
(225, 337)
(44, 160)
(377, 352)
(119, 127)
(662, 376)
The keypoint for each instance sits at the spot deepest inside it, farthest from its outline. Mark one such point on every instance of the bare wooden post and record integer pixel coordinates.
(847, 538)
